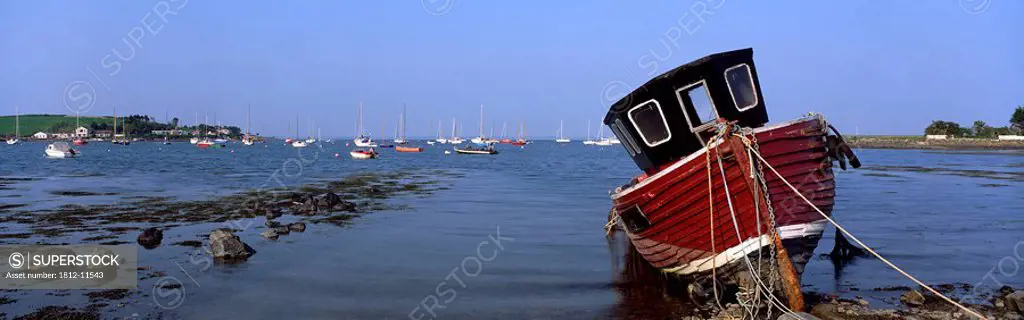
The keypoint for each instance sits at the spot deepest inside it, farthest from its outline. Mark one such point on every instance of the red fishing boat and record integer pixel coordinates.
(700, 202)
(79, 142)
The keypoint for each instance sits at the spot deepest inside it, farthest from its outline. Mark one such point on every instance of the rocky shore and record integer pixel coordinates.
(278, 212)
(1004, 303)
(919, 142)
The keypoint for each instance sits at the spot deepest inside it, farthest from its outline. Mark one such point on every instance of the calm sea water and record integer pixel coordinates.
(944, 216)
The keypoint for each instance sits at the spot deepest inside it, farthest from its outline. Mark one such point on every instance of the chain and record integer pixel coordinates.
(772, 229)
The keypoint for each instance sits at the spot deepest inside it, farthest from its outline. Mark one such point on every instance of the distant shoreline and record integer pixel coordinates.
(920, 143)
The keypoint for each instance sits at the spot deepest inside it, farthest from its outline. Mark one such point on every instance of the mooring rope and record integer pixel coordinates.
(855, 239)
(772, 299)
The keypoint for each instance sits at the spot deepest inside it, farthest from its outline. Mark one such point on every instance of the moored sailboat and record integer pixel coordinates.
(121, 139)
(561, 133)
(455, 139)
(480, 140)
(589, 141)
(362, 140)
(17, 128)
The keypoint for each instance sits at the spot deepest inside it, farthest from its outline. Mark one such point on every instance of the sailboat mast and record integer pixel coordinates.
(504, 125)
(481, 120)
(588, 129)
(113, 135)
(17, 122)
(359, 123)
(248, 122)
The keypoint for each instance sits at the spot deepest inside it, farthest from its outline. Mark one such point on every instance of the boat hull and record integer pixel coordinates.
(470, 151)
(362, 155)
(674, 232)
(408, 149)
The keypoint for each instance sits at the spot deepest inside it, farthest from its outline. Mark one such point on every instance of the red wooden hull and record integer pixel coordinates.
(675, 202)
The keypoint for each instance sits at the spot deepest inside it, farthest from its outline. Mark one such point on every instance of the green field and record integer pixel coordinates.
(32, 123)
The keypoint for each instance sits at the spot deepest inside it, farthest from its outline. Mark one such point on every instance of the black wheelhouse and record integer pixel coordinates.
(669, 117)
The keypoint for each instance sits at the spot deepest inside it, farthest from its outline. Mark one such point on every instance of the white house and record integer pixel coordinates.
(1008, 137)
(81, 132)
(40, 135)
(936, 137)
(61, 135)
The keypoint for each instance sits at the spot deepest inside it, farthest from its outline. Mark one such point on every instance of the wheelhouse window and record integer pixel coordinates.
(697, 97)
(741, 86)
(620, 131)
(649, 121)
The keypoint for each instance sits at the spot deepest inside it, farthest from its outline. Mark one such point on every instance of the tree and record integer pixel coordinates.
(939, 127)
(1017, 119)
(981, 129)
(174, 122)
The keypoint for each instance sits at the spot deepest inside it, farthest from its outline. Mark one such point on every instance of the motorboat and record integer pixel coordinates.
(362, 154)
(60, 149)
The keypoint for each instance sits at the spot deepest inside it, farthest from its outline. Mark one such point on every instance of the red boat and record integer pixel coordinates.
(506, 141)
(713, 109)
(79, 142)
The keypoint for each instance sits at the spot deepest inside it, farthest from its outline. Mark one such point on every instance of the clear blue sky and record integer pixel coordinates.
(880, 67)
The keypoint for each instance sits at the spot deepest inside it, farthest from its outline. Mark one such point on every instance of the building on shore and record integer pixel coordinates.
(81, 132)
(40, 135)
(936, 137)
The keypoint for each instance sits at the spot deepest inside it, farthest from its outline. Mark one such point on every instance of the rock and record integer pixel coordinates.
(150, 238)
(798, 316)
(269, 234)
(272, 224)
(282, 230)
(226, 246)
(345, 206)
(272, 214)
(1012, 316)
(297, 226)
(912, 298)
(327, 201)
(1005, 290)
(863, 302)
(999, 303)
(1015, 301)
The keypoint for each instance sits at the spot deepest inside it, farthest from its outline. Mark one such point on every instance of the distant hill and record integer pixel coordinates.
(32, 123)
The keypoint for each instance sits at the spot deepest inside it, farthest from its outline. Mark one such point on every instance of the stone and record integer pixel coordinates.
(225, 246)
(297, 226)
(269, 234)
(912, 298)
(282, 230)
(272, 224)
(150, 238)
(345, 206)
(272, 214)
(798, 316)
(327, 201)
(863, 303)
(1015, 301)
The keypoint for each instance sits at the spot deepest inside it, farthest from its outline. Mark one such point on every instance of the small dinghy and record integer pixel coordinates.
(362, 154)
(60, 150)
(408, 149)
(470, 150)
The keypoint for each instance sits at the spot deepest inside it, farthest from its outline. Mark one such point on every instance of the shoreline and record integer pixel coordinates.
(920, 143)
